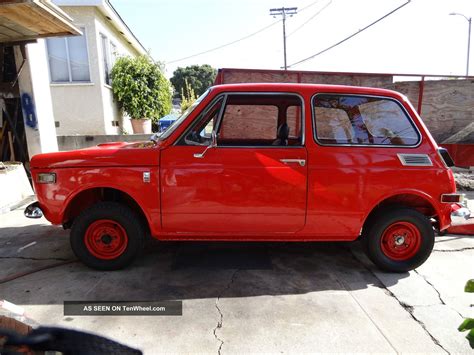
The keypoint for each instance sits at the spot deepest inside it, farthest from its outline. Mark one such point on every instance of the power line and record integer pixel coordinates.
(224, 45)
(311, 18)
(349, 37)
(308, 6)
(237, 40)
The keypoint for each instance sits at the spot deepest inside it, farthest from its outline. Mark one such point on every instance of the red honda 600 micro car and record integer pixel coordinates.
(259, 162)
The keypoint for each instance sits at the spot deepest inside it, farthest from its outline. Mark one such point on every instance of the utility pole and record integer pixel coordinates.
(283, 12)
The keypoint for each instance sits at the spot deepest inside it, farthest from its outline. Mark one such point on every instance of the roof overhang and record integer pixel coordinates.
(109, 12)
(27, 20)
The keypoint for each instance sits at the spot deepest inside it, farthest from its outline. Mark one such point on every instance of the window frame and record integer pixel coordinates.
(106, 58)
(181, 141)
(70, 81)
(363, 145)
(261, 93)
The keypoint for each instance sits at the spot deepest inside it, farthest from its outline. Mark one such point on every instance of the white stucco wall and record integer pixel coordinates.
(89, 108)
(36, 99)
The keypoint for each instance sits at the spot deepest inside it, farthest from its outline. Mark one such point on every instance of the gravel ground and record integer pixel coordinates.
(464, 181)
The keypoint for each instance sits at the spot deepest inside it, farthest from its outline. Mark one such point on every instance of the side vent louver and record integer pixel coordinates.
(415, 159)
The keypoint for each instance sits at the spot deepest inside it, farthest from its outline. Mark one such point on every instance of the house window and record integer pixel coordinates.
(113, 53)
(68, 59)
(109, 55)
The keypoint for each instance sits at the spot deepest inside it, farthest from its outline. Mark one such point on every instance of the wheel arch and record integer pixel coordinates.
(416, 200)
(89, 196)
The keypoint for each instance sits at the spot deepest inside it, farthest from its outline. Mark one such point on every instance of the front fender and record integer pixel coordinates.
(55, 199)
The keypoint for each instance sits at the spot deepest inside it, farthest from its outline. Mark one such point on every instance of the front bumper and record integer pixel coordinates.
(33, 211)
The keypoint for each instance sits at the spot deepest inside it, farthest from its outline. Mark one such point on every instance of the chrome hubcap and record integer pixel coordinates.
(399, 240)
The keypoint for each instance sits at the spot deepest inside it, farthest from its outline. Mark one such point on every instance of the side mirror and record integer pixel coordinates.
(213, 144)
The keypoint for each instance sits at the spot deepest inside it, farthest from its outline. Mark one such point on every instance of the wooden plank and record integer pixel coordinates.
(345, 79)
(15, 27)
(53, 23)
(34, 18)
(10, 143)
(9, 31)
(24, 16)
(447, 107)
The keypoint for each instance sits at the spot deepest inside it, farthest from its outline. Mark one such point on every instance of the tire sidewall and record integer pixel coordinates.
(382, 222)
(117, 213)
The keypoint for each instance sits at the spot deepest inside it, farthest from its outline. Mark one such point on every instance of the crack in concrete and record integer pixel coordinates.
(411, 312)
(432, 286)
(439, 293)
(221, 315)
(34, 259)
(453, 250)
(408, 308)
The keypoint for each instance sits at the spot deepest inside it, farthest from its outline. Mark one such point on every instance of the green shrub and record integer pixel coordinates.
(468, 324)
(141, 88)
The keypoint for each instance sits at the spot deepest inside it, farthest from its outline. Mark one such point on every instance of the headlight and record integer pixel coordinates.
(46, 178)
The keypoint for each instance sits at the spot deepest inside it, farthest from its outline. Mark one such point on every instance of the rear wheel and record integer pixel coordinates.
(107, 236)
(399, 239)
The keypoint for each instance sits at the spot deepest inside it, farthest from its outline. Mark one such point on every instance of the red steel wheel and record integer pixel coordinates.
(398, 239)
(107, 236)
(401, 241)
(106, 239)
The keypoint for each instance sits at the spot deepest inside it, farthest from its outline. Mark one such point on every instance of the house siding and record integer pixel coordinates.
(89, 108)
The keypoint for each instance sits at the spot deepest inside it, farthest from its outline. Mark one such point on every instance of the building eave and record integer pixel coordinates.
(109, 12)
(27, 20)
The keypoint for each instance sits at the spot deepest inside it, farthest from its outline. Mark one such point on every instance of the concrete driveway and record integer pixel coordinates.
(260, 297)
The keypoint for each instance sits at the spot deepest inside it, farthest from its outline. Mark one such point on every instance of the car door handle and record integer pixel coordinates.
(301, 162)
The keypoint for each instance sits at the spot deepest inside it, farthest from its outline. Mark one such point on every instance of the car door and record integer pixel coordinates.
(253, 182)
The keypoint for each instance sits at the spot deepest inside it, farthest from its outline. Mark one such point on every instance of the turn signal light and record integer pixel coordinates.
(452, 198)
(46, 178)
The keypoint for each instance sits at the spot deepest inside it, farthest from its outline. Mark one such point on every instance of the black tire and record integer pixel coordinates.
(416, 244)
(110, 216)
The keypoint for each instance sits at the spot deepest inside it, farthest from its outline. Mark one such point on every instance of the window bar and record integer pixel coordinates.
(68, 60)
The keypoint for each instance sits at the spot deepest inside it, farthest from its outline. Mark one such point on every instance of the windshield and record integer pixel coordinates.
(181, 118)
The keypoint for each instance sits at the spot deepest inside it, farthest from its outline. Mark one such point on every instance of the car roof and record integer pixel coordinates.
(306, 88)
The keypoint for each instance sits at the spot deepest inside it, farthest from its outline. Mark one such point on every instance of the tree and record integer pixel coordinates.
(199, 78)
(187, 100)
(141, 88)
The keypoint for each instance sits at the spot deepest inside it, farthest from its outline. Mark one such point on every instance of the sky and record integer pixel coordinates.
(420, 38)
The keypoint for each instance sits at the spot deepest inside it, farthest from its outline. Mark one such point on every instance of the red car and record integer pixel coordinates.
(259, 162)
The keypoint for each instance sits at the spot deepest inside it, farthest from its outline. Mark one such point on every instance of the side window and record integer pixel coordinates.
(261, 120)
(333, 125)
(364, 120)
(248, 122)
(200, 131)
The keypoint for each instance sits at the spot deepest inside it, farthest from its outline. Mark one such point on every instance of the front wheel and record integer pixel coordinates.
(399, 240)
(107, 236)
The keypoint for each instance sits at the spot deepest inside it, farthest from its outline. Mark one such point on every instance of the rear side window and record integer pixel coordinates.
(364, 120)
